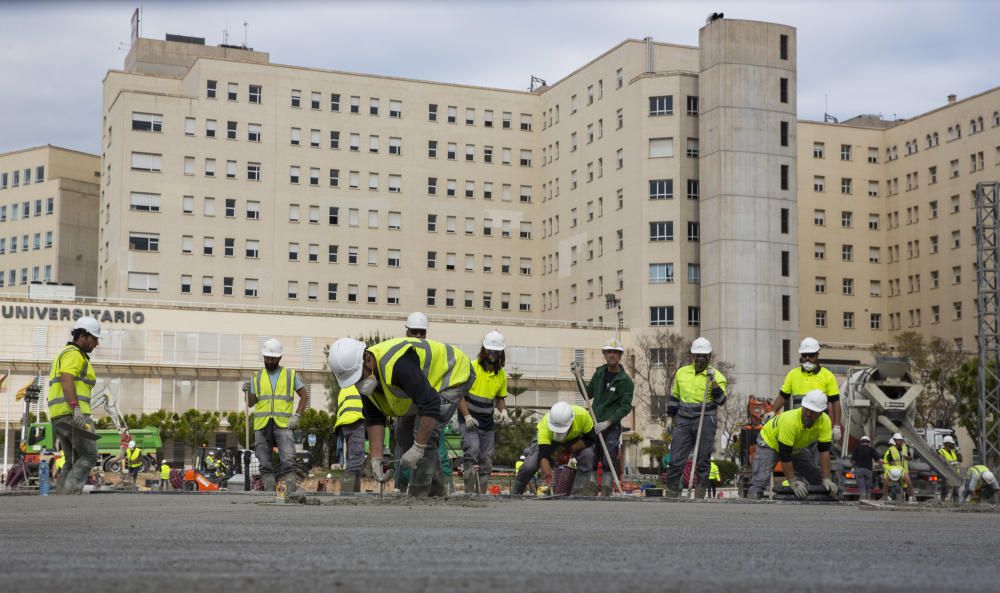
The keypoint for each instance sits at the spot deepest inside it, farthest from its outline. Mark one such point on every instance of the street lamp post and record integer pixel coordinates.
(611, 301)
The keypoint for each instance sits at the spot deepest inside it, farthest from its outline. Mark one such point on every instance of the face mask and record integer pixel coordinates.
(808, 366)
(559, 436)
(807, 422)
(367, 385)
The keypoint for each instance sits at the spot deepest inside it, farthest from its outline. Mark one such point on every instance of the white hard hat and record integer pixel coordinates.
(701, 346)
(522, 458)
(494, 341)
(561, 418)
(948, 439)
(990, 478)
(897, 437)
(272, 349)
(613, 344)
(416, 320)
(346, 361)
(131, 444)
(895, 474)
(815, 400)
(89, 325)
(809, 346)
(163, 462)
(865, 438)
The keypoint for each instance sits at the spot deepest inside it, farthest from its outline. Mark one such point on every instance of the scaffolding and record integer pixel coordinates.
(988, 308)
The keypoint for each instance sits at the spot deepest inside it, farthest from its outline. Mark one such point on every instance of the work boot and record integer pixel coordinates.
(269, 483)
(470, 477)
(517, 488)
(291, 484)
(699, 492)
(350, 482)
(584, 484)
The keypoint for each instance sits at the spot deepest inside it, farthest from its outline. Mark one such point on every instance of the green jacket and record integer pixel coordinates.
(615, 403)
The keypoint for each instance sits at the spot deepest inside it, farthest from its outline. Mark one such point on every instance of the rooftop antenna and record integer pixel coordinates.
(536, 82)
(225, 36)
(827, 118)
(246, 26)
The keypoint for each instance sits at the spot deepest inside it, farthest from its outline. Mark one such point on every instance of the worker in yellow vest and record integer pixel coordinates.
(714, 478)
(897, 455)
(953, 456)
(133, 461)
(483, 404)
(59, 460)
(810, 375)
(419, 381)
(71, 380)
(351, 424)
(980, 484)
(271, 392)
(164, 475)
(564, 426)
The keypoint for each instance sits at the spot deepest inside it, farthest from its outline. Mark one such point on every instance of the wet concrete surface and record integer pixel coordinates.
(153, 543)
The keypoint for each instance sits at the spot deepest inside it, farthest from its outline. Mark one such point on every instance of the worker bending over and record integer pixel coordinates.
(483, 404)
(417, 380)
(564, 426)
(692, 384)
(787, 438)
(980, 484)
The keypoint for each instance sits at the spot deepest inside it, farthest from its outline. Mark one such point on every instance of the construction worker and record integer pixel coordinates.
(564, 426)
(714, 478)
(518, 464)
(164, 475)
(788, 438)
(420, 382)
(133, 461)
(804, 378)
(351, 424)
(611, 389)
(980, 484)
(71, 380)
(692, 384)
(271, 392)
(416, 325)
(897, 455)
(58, 461)
(863, 459)
(953, 456)
(483, 404)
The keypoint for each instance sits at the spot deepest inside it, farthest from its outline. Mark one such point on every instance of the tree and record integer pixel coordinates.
(653, 362)
(319, 423)
(237, 425)
(964, 385)
(194, 427)
(511, 441)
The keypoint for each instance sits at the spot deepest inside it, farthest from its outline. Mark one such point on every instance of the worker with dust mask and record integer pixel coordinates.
(565, 426)
(787, 438)
(271, 392)
(484, 404)
(405, 377)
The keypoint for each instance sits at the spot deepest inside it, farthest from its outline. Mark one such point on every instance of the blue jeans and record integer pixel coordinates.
(265, 440)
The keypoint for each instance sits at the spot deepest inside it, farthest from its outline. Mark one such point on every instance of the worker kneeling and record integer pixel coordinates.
(980, 485)
(564, 426)
(788, 438)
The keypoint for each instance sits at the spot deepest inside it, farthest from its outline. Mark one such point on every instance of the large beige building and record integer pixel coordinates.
(48, 219)
(888, 223)
(231, 179)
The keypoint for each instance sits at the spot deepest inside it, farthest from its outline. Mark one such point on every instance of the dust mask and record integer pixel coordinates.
(808, 366)
(367, 385)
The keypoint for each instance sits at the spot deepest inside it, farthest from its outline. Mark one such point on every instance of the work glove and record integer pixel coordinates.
(293, 422)
(837, 433)
(710, 373)
(572, 463)
(80, 420)
(801, 489)
(379, 472)
(831, 487)
(505, 418)
(471, 422)
(601, 426)
(414, 454)
(246, 387)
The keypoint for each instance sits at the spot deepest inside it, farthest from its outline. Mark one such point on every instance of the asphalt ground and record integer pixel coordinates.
(148, 542)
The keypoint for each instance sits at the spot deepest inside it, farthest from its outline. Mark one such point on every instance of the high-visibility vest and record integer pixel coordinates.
(443, 364)
(134, 457)
(949, 455)
(713, 472)
(273, 401)
(84, 382)
(349, 409)
(517, 466)
(164, 471)
(486, 388)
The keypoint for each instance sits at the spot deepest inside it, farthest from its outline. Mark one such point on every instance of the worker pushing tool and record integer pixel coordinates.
(564, 426)
(950, 453)
(484, 404)
(133, 461)
(810, 375)
(697, 393)
(71, 380)
(420, 381)
(272, 392)
(788, 438)
(611, 389)
(980, 484)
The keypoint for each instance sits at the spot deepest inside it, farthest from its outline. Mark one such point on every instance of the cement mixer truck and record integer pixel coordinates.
(879, 401)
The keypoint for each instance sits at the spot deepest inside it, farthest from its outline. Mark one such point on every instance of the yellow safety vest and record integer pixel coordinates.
(133, 457)
(951, 456)
(60, 462)
(84, 381)
(582, 424)
(487, 387)
(713, 472)
(689, 389)
(517, 466)
(274, 401)
(798, 383)
(895, 457)
(788, 429)
(164, 472)
(443, 364)
(349, 408)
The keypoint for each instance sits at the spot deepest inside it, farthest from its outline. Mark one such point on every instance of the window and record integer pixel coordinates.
(452, 114)
(692, 105)
(144, 242)
(141, 161)
(783, 134)
(783, 90)
(661, 105)
(525, 230)
(661, 273)
(820, 318)
(373, 105)
(692, 147)
(783, 47)
(470, 116)
(694, 316)
(661, 316)
(210, 88)
(449, 298)
(525, 158)
(694, 273)
(845, 185)
(432, 112)
(253, 171)
(185, 284)
(144, 202)
(819, 183)
(848, 320)
(847, 253)
(847, 287)
(395, 146)
(786, 264)
(784, 176)
(694, 231)
(819, 250)
(658, 148)
(847, 220)
(140, 281)
(145, 122)
(661, 231)
(818, 150)
(432, 223)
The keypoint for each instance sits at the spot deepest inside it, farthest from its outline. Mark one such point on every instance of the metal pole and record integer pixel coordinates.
(697, 438)
(600, 437)
(6, 422)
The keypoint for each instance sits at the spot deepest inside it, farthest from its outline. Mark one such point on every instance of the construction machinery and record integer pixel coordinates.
(879, 401)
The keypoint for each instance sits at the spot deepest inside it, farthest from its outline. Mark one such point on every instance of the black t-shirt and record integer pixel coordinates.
(864, 456)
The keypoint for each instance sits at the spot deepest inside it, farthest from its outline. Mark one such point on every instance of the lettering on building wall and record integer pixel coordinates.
(70, 314)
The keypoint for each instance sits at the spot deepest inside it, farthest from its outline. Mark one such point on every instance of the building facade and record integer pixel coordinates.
(48, 219)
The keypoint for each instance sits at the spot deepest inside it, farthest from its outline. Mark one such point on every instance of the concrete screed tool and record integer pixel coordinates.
(600, 437)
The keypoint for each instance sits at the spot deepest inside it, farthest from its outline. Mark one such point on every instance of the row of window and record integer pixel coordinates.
(663, 315)
(34, 243)
(38, 274)
(847, 320)
(20, 177)
(875, 286)
(954, 132)
(23, 210)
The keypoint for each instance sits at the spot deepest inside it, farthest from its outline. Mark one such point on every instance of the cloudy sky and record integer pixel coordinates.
(898, 58)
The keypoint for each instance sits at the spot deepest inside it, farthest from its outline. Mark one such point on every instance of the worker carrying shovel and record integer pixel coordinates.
(564, 426)
(788, 438)
(697, 393)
